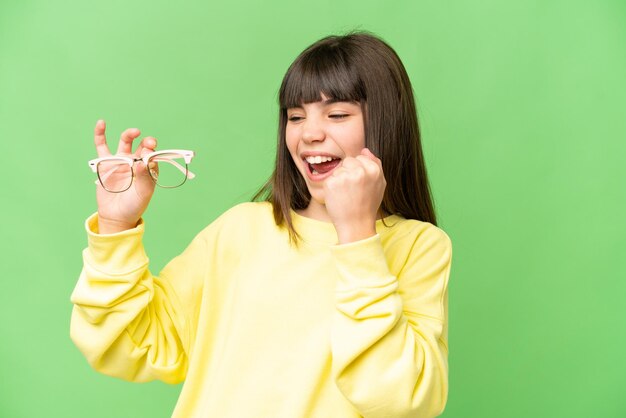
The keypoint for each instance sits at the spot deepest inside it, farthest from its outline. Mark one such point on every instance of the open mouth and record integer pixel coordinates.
(320, 166)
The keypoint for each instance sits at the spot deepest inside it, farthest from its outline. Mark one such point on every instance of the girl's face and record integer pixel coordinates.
(319, 136)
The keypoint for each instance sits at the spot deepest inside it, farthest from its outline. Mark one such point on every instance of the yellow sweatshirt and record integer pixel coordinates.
(258, 328)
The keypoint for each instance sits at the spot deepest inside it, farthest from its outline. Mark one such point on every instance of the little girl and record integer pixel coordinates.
(324, 297)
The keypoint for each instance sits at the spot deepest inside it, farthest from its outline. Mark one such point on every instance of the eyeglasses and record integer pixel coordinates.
(167, 168)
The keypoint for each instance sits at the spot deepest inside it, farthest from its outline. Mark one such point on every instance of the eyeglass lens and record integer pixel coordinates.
(167, 170)
(115, 175)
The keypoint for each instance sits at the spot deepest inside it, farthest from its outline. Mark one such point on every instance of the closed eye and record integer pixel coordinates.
(295, 118)
(339, 116)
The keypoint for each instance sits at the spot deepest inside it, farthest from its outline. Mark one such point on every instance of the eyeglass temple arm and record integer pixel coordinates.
(182, 169)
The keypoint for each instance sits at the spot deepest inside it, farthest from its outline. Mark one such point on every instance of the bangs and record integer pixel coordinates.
(324, 70)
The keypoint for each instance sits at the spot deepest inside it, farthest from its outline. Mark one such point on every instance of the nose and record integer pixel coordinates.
(312, 131)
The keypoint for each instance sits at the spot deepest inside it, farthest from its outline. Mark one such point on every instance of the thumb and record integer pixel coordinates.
(367, 153)
(146, 146)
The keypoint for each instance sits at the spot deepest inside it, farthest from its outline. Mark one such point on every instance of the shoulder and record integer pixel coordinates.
(412, 231)
(241, 219)
(414, 239)
(248, 210)
(255, 209)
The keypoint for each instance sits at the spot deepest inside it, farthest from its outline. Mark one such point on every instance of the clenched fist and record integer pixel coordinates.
(354, 193)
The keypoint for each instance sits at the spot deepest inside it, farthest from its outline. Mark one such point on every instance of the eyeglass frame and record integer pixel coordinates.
(186, 154)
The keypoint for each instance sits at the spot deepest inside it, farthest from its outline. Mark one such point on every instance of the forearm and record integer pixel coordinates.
(122, 319)
(384, 365)
(388, 344)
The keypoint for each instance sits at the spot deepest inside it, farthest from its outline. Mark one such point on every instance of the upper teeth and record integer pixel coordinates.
(318, 159)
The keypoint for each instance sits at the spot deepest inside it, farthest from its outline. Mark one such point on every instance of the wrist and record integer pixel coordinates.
(353, 233)
(112, 226)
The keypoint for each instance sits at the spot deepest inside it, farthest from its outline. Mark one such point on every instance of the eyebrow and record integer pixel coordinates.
(328, 102)
(331, 101)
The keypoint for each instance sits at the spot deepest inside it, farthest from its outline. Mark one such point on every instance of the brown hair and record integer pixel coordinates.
(357, 67)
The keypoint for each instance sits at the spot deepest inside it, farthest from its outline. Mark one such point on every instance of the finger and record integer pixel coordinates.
(100, 139)
(360, 164)
(366, 152)
(331, 182)
(370, 166)
(147, 145)
(352, 175)
(339, 171)
(350, 162)
(126, 141)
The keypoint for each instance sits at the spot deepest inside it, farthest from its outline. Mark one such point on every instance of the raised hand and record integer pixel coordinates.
(121, 211)
(353, 195)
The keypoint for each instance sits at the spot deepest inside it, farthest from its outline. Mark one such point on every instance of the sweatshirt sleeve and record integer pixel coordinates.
(127, 322)
(389, 335)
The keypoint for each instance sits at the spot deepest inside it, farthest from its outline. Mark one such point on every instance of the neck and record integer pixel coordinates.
(318, 211)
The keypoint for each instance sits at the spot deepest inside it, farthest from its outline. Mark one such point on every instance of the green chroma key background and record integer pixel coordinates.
(522, 111)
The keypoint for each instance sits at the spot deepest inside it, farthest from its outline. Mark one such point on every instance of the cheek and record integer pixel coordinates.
(292, 148)
(354, 141)
(361, 135)
(290, 140)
